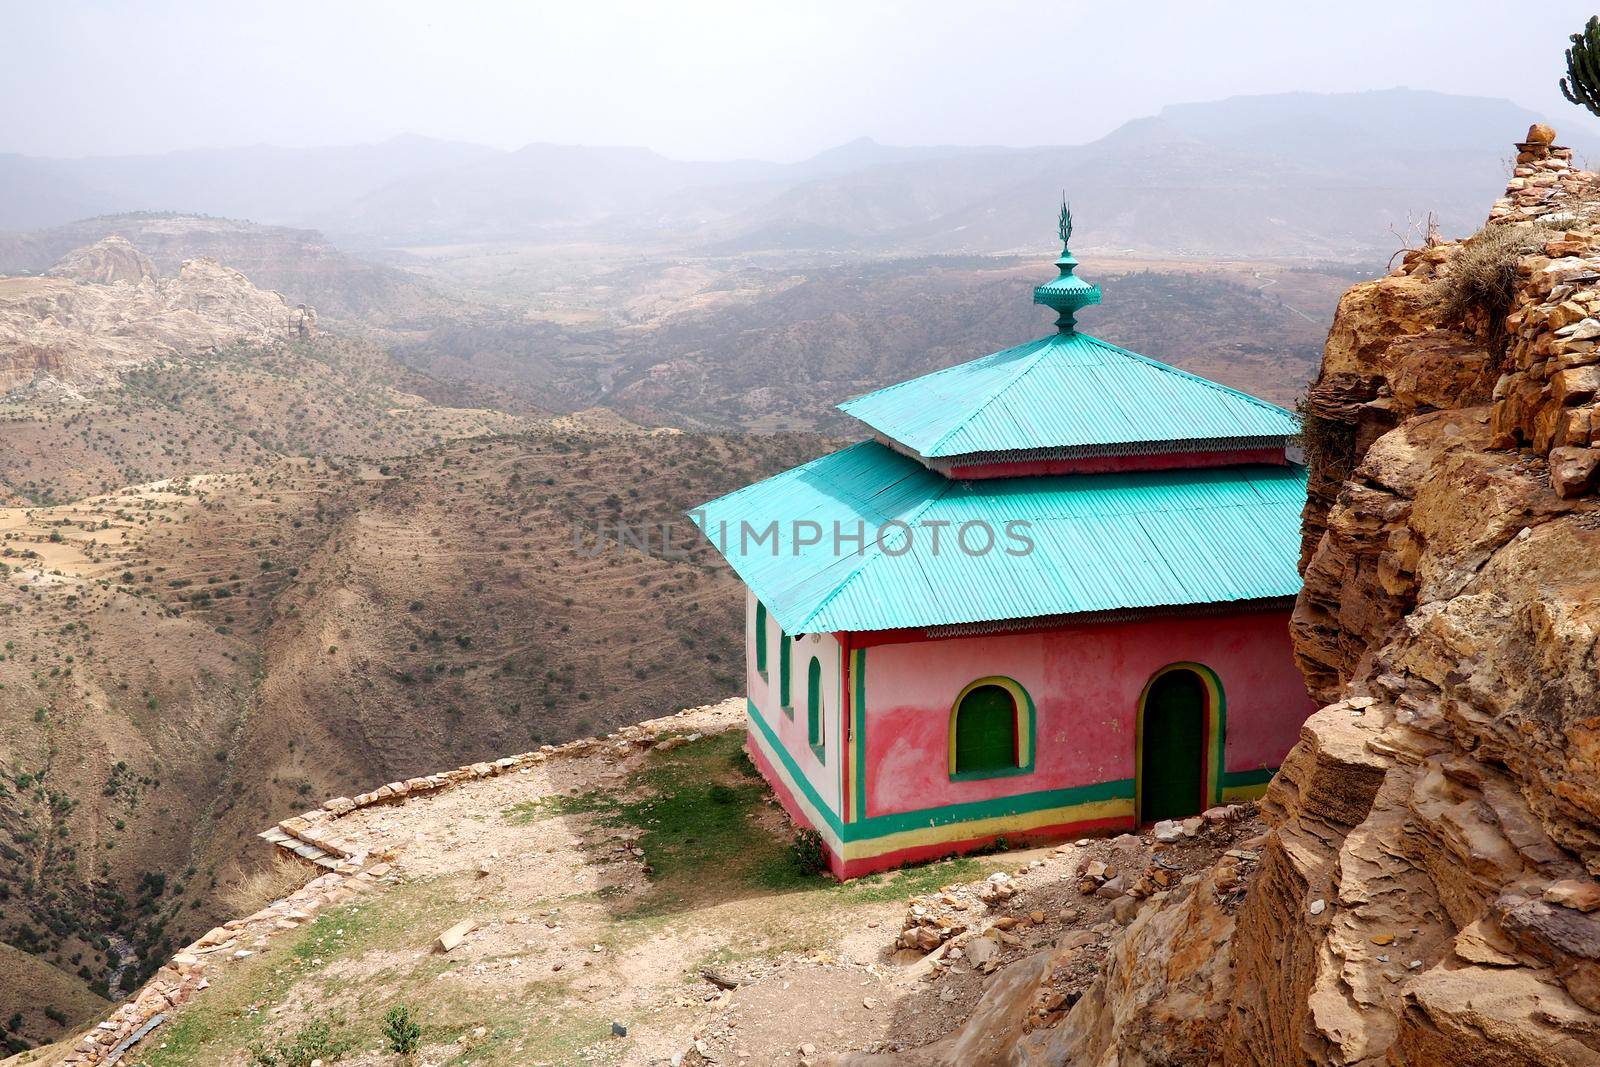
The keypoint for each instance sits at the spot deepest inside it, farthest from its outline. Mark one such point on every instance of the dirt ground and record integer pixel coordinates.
(641, 906)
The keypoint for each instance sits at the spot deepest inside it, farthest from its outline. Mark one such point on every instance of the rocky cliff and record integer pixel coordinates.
(1426, 892)
(106, 262)
(105, 307)
(301, 264)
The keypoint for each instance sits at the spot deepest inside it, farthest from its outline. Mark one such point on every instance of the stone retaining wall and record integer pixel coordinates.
(310, 837)
(1548, 397)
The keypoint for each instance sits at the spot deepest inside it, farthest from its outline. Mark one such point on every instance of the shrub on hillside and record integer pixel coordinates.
(810, 855)
(314, 1041)
(1483, 274)
(1329, 444)
(401, 1032)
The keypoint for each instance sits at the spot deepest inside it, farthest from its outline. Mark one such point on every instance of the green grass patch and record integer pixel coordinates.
(344, 931)
(695, 810)
(545, 1038)
(530, 811)
(229, 1017)
(913, 881)
(181, 1042)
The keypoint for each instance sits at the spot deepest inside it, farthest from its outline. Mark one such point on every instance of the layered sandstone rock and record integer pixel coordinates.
(106, 262)
(103, 308)
(1428, 890)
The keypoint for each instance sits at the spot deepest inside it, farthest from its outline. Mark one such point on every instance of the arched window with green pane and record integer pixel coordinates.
(785, 697)
(991, 730)
(761, 639)
(815, 730)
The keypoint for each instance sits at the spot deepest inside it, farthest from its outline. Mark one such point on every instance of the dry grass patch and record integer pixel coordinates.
(1483, 274)
(253, 890)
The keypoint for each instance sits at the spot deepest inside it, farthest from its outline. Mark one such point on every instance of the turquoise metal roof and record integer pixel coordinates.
(1102, 542)
(1067, 391)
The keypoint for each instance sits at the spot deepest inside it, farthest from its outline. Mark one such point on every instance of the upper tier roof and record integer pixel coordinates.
(1071, 393)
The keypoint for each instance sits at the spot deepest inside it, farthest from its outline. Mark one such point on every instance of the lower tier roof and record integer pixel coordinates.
(1099, 542)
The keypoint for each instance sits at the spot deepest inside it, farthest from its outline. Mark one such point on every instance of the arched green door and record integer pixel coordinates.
(1172, 748)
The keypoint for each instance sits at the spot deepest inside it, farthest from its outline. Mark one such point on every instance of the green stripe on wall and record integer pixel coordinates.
(797, 780)
(1019, 804)
(881, 825)
(1242, 778)
(858, 677)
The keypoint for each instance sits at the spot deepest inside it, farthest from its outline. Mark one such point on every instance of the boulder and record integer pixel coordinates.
(1572, 470)
(448, 939)
(1578, 894)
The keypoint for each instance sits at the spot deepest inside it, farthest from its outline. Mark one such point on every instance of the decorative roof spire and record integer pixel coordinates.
(1067, 293)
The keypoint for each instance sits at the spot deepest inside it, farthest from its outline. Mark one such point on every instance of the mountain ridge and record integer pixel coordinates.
(945, 198)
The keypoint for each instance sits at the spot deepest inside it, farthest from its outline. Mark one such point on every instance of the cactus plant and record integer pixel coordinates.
(1582, 83)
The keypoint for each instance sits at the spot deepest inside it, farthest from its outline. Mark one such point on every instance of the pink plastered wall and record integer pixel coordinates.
(822, 772)
(1085, 682)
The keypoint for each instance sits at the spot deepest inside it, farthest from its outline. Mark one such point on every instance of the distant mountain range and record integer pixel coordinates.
(1295, 174)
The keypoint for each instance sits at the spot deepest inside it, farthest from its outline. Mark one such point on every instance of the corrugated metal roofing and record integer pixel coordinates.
(1102, 542)
(1069, 390)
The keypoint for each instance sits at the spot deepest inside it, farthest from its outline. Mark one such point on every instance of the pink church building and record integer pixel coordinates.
(1048, 597)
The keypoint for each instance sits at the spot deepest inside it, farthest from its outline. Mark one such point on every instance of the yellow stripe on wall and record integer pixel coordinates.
(1120, 808)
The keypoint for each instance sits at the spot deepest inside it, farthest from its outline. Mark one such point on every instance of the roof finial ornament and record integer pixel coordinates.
(1067, 293)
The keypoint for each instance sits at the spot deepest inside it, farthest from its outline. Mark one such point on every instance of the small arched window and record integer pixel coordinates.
(785, 697)
(991, 730)
(761, 639)
(814, 718)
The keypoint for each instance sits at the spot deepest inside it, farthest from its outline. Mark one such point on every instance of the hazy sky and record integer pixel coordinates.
(718, 80)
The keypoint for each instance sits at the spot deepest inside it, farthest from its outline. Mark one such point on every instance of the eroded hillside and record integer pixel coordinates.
(758, 343)
(116, 374)
(698, 337)
(187, 660)
(105, 308)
